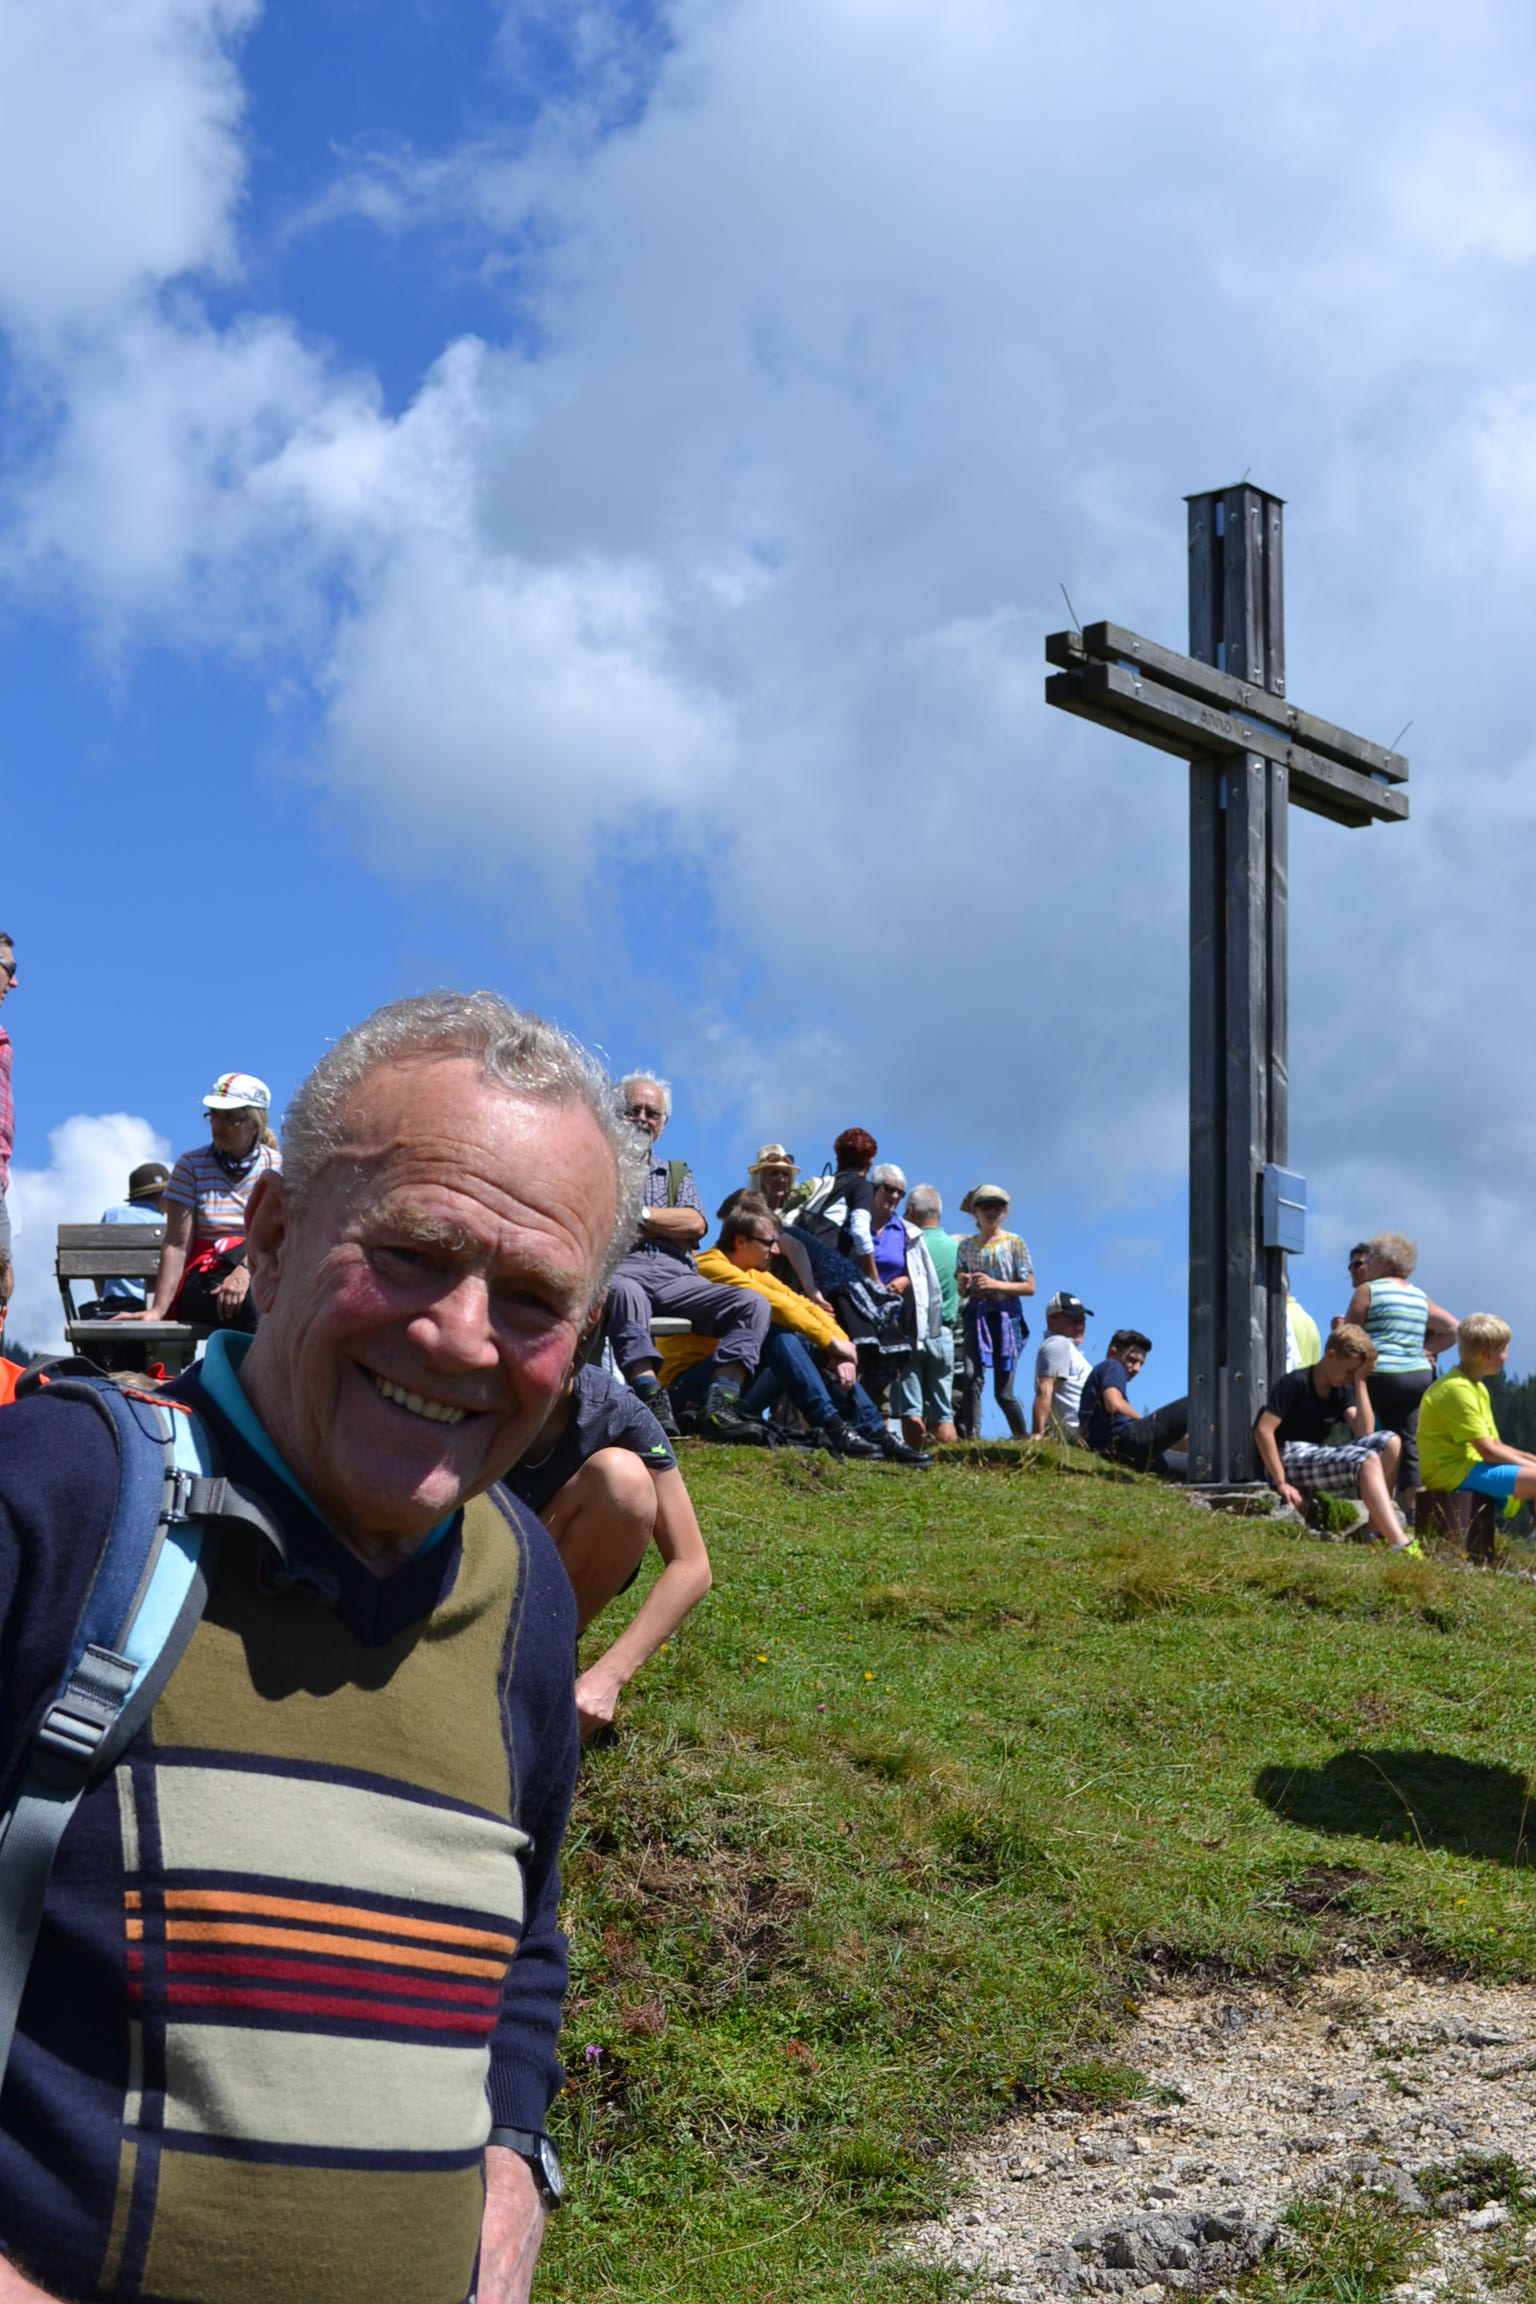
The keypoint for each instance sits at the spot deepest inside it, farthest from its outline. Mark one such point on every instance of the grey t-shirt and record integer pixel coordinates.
(1069, 1369)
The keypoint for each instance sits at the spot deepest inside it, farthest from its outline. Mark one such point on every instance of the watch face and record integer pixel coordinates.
(552, 2172)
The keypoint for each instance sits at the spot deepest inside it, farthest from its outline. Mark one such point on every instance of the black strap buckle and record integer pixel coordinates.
(76, 1724)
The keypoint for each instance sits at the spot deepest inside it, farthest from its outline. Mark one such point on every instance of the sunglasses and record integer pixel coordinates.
(8, 968)
(646, 1112)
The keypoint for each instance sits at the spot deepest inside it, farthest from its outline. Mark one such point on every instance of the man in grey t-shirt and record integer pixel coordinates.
(1062, 1367)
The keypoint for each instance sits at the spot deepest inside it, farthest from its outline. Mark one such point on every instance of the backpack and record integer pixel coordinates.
(824, 1215)
(141, 1607)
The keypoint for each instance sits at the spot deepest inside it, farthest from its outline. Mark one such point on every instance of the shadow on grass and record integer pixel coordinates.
(1468, 1807)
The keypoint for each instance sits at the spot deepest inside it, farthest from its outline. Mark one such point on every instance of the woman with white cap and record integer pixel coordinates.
(202, 1277)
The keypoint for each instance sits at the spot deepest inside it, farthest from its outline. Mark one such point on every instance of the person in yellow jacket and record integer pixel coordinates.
(841, 1415)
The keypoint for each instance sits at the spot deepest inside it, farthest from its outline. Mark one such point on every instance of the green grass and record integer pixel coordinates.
(1351, 2248)
(893, 1836)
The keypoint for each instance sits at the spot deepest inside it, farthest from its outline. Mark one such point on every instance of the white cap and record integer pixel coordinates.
(237, 1092)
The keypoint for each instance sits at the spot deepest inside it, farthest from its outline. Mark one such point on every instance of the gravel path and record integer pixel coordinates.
(1366, 2073)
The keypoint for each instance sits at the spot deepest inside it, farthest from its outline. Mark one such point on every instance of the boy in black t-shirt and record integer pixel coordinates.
(602, 1477)
(1293, 1433)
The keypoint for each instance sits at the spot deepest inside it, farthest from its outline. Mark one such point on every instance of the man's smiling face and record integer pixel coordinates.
(417, 1317)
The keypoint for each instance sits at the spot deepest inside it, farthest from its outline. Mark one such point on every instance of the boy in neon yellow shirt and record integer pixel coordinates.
(1459, 1444)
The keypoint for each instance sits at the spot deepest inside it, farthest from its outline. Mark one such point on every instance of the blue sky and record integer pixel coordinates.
(571, 498)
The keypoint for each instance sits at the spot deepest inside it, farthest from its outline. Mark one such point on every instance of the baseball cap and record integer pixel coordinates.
(235, 1091)
(149, 1179)
(1064, 1302)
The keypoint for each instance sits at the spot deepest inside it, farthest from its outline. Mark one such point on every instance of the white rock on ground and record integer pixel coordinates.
(1364, 2072)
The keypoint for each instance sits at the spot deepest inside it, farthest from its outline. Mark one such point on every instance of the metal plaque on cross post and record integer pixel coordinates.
(1251, 754)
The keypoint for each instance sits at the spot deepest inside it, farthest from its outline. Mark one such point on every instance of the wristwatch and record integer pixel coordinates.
(542, 2158)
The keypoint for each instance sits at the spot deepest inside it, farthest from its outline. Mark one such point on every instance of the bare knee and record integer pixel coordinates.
(602, 1521)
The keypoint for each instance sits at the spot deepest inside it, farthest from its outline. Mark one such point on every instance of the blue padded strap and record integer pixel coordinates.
(144, 1601)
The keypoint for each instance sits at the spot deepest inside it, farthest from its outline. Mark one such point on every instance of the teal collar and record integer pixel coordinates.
(220, 1374)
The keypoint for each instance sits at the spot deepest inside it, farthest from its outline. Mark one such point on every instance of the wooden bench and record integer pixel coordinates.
(101, 1252)
(1460, 1519)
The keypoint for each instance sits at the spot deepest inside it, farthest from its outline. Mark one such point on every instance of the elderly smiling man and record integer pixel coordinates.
(290, 2026)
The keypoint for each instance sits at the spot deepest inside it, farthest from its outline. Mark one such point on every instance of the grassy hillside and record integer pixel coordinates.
(942, 1770)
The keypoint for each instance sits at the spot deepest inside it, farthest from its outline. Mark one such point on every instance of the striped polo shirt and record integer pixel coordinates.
(1395, 1320)
(201, 1182)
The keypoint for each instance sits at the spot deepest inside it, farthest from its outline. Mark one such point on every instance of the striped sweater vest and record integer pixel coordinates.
(321, 1896)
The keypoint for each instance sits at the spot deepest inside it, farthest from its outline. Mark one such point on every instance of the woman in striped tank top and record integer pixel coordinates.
(203, 1277)
(1407, 1328)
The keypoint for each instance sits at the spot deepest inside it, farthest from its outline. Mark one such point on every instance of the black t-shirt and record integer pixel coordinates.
(604, 1414)
(1305, 1413)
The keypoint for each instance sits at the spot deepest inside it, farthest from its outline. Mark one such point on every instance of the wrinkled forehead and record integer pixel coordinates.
(444, 1150)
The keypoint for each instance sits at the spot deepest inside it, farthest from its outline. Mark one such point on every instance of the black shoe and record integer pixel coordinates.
(732, 1431)
(843, 1440)
(656, 1398)
(897, 1452)
(720, 1419)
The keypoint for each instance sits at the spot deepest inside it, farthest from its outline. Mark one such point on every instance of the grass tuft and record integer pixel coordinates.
(1352, 2248)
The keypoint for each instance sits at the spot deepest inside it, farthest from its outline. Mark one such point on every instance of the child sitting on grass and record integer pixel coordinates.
(1293, 1431)
(1459, 1444)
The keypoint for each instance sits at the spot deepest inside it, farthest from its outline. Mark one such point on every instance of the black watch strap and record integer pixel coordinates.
(543, 2160)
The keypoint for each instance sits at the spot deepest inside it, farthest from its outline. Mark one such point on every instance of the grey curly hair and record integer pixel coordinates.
(516, 1051)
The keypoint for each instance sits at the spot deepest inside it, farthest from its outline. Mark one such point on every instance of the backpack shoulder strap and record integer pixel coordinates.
(676, 1171)
(143, 1603)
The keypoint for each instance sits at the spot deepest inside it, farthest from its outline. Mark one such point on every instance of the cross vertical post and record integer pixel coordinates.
(1237, 1009)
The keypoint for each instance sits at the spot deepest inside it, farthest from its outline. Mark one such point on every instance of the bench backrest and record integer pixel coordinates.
(99, 1252)
(109, 1251)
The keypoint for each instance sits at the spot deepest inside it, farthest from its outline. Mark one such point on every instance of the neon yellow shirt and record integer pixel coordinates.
(1306, 1343)
(1455, 1412)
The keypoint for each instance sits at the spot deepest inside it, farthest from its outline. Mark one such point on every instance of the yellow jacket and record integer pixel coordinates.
(787, 1306)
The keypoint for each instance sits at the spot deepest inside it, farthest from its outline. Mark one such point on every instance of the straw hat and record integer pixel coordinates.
(773, 1156)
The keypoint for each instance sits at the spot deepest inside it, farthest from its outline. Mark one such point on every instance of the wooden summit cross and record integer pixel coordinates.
(1223, 709)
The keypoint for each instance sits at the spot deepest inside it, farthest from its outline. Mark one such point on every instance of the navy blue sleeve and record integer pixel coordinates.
(58, 1484)
(538, 1708)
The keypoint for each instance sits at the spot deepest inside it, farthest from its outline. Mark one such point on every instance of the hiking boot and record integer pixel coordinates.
(658, 1400)
(840, 1436)
(897, 1452)
(720, 1419)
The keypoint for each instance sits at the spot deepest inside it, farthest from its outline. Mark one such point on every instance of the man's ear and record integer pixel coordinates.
(267, 1224)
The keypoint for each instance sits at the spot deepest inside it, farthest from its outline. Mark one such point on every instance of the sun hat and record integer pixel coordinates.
(773, 1156)
(985, 1192)
(237, 1092)
(149, 1181)
(1065, 1302)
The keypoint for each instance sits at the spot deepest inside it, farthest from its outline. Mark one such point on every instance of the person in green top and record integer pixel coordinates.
(1459, 1444)
(928, 1403)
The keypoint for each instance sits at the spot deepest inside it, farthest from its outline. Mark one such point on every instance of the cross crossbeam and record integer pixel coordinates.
(1108, 676)
(1251, 754)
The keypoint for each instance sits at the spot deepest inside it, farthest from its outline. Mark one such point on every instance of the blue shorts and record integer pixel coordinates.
(1493, 1480)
